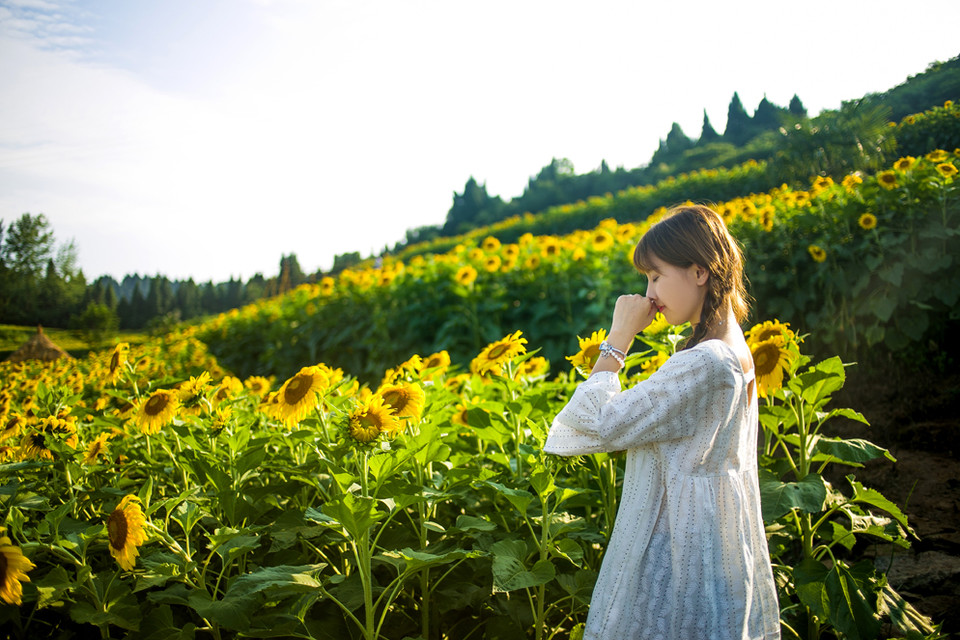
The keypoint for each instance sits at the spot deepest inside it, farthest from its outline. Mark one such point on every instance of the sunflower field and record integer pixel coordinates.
(362, 458)
(146, 493)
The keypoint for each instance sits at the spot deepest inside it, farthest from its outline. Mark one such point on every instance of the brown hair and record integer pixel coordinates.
(696, 234)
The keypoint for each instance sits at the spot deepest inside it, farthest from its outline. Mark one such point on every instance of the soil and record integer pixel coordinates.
(916, 416)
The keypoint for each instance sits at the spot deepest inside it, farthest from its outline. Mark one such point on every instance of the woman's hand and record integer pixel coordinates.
(631, 315)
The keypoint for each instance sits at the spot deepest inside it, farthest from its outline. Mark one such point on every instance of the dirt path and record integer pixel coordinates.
(917, 418)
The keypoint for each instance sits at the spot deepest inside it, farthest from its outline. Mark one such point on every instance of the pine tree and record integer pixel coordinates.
(796, 107)
(739, 128)
(707, 134)
(766, 117)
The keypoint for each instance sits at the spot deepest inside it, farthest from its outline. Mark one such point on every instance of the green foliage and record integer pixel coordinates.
(936, 128)
(835, 143)
(257, 526)
(96, 325)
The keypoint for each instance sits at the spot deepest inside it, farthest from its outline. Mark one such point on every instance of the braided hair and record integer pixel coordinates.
(696, 234)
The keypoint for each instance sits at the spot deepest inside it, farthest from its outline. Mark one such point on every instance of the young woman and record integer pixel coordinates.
(688, 557)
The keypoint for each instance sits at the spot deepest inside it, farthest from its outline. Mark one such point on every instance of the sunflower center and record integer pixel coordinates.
(114, 362)
(765, 359)
(396, 399)
(297, 389)
(498, 351)
(369, 419)
(117, 529)
(156, 404)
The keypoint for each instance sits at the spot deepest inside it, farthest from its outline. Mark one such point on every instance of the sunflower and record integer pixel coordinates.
(96, 449)
(654, 363)
(466, 275)
(817, 253)
(533, 368)
(125, 531)
(887, 179)
(601, 240)
(904, 164)
(851, 181)
(193, 393)
(13, 570)
(770, 359)
(490, 243)
(327, 285)
(947, 170)
(659, 325)
(12, 426)
(117, 359)
(439, 361)
(157, 410)
(406, 399)
(585, 359)
(766, 330)
(257, 385)
(229, 387)
(867, 221)
(532, 262)
(498, 353)
(459, 416)
(370, 418)
(936, 156)
(301, 393)
(767, 214)
(491, 264)
(34, 445)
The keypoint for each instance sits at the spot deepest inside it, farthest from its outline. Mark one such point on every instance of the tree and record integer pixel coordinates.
(766, 117)
(465, 213)
(796, 107)
(97, 324)
(707, 134)
(28, 245)
(739, 128)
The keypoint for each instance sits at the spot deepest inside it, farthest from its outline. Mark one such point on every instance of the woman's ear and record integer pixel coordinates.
(702, 274)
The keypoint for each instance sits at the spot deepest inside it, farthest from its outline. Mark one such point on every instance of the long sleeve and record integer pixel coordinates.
(668, 405)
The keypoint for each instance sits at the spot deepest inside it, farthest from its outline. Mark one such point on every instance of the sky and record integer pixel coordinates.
(208, 138)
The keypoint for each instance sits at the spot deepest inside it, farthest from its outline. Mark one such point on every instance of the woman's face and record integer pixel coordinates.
(678, 292)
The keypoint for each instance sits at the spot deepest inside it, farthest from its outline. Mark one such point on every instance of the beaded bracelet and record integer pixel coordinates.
(607, 349)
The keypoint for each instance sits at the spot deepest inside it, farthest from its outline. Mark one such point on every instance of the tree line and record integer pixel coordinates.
(40, 283)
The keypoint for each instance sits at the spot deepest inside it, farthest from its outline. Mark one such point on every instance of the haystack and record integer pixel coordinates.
(38, 347)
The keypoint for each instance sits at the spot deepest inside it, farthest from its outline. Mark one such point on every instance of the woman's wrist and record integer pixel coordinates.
(619, 339)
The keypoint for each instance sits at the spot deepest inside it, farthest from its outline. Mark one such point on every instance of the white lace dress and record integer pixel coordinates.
(688, 557)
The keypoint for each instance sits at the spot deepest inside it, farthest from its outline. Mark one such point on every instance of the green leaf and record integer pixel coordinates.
(231, 543)
(356, 514)
(778, 498)
(280, 580)
(509, 570)
(518, 498)
(569, 549)
(472, 523)
(542, 482)
(159, 625)
(874, 498)
(808, 579)
(852, 451)
(231, 612)
(903, 615)
(853, 600)
(52, 586)
(878, 527)
(415, 560)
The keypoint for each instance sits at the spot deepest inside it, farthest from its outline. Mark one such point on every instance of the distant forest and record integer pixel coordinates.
(41, 284)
